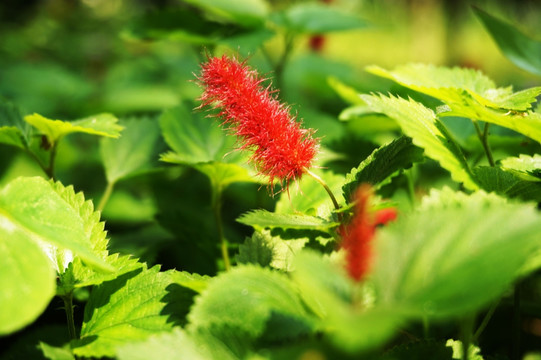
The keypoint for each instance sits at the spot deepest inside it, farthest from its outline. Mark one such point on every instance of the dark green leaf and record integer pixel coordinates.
(248, 13)
(13, 129)
(508, 183)
(382, 163)
(522, 50)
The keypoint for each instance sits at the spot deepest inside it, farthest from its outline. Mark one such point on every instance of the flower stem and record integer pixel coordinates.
(485, 321)
(466, 330)
(483, 136)
(217, 210)
(105, 197)
(324, 184)
(68, 307)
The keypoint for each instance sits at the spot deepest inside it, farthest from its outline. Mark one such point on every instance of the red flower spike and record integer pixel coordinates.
(358, 234)
(281, 148)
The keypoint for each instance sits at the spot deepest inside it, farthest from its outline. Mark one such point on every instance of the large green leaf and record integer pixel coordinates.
(261, 219)
(131, 308)
(134, 152)
(315, 18)
(521, 49)
(528, 167)
(249, 298)
(508, 183)
(249, 13)
(178, 344)
(427, 132)
(439, 261)
(33, 205)
(27, 278)
(385, 161)
(101, 125)
(350, 321)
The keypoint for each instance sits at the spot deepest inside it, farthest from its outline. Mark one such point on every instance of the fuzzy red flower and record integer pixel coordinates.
(281, 148)
(358, 234)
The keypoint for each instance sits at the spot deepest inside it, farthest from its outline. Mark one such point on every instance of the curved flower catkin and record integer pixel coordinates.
(281, 148)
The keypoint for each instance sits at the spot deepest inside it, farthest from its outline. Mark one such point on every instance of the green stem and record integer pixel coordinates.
(485, 321)
(324, 184)
(106, 195)
(466, 335)
(483, 136)
(280, 64)
(217, 209)
(68, 307)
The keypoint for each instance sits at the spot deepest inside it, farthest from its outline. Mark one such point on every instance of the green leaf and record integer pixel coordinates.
(383, 163)
(264, 249)
(427, 132)
(453, 85)
(522, 50)
(247, 13)
(131, 308)
(261, 219)
(247, 298)
(178, 344)
(56, 353)
(351, 322)
(34, 206)
(433, 262)
(527, 167)
(27, 278)
(101, 125)
(13, 130)
(134, 152)
(508, 183)
(315, 18)
(474, 353)
(346, 92)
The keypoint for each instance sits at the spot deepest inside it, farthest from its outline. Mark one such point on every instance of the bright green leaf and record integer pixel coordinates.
(434, 261)
(427, 132)
(385, 161)
(522, 50)
(56, 353)
(27, 278)
(134, 152)
(474, 353)
(247, 298)
(131, 308)
(101, 125)
(528, 167)
(261, 219)
(33, 204)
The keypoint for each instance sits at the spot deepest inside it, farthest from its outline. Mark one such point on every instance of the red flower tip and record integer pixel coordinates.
(358, 234)
(281, 148)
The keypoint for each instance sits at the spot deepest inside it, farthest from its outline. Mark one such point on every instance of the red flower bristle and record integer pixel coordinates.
(281, 148)
(358, 234)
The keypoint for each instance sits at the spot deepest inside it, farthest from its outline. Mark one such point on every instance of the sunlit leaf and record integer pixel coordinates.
(427, 132)
(528, 167)
(261, 219)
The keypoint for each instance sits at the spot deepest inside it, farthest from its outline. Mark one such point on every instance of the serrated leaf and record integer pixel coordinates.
(453, 85)
(261, 219)
(315, 18)
(385, 161)
(522, 50)
(27, 278)
(528, 167)
(508, 183)
(264, 249)
(134, 152)
(13, 130)
(427, 132)
(101, 125)
(131, 308)
(248, 13)
(430, 266)
(178, 344)
(34, 206)
(247, 298)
